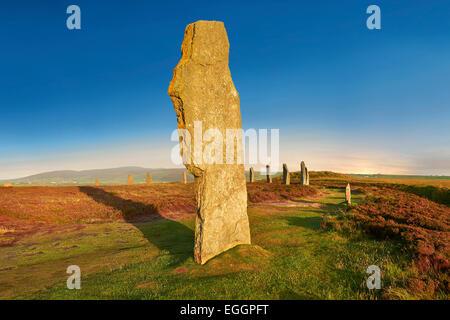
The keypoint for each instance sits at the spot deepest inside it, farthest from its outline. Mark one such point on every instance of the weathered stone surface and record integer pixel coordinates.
(348, 194)
(268, 174)
(97, 183)
(202, 90)
(130, 179)
(183, 177)
(304, 175)
(149, 178)
(252, 175)
(286, 175)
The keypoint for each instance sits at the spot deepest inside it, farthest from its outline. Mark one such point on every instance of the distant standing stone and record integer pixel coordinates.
(286, 175)
(303, 174)
(184, 178)
(149, 178)
(269, 176)
(130, 179)
(307, 176)
(97, 183)
(348, 194)
(252, 175)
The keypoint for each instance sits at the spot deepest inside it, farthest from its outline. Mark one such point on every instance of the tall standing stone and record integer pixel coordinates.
(348, 194)
(286, 175)
(268, 175)
(202, 91)
(304, 175)
(97, 183)
(252, 175)
(149, 178)
(130, 179)
(183, 177)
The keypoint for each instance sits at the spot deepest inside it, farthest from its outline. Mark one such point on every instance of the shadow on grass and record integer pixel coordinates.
(334, 208)
(312, 223)
(304, 200)
(330, 208)
(168, 235)
(356, 192)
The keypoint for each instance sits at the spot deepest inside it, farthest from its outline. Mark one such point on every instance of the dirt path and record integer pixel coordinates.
(288, 204)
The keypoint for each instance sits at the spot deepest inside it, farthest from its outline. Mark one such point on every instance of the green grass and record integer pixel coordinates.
(291, 258)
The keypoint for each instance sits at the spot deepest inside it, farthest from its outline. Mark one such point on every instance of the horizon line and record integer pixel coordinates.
(246, 169)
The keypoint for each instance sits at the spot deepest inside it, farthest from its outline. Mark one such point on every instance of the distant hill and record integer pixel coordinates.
(327, 174)
(393, 176)
(113, 176)
(117, 176)
(105, 176)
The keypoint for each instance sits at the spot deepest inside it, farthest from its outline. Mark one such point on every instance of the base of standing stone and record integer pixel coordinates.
(219, 228)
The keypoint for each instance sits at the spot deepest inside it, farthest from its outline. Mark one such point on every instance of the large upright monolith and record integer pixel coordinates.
(268, 174)
(203, 95)
(348, 194)
(252, 175)
(130, 179)
(304, 175)
(149, 178)
(286, 175)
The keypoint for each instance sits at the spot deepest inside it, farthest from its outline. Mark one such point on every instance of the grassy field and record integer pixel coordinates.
(432, 188)
(139, 241)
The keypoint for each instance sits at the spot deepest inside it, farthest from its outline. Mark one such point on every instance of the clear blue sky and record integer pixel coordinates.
(345, 98)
